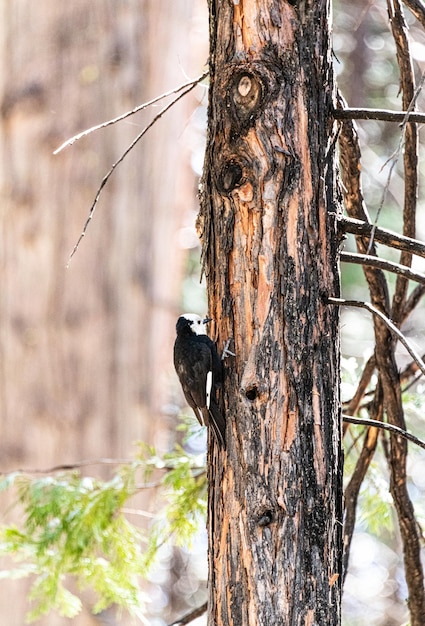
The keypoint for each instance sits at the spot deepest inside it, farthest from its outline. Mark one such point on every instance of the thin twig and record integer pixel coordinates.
(66, 467)
(121, 159)
(412, 382)
(383, 264)
(140, 107)
(369, 307)
(395, 156)
(384, 426)
(192, 615)
(138, 512)
(410, 370)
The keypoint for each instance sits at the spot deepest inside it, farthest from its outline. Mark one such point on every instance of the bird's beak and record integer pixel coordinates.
(207, 319)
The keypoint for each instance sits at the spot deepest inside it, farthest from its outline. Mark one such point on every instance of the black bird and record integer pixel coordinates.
(198, 367)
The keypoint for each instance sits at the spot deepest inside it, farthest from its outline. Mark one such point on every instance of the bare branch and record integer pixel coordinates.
(192, 615)
(138, 512)
(384, 426)
(383, 264)
(417, 7)
(197, 471)
(352, 490)
(141, 107)
(69, 466)
(355, 205)
(383, 115)
(388, 323)
(106, 178)
(410, 152)
(412, 381)
(382, 235)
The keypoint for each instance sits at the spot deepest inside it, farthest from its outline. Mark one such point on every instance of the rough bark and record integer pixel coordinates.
(270, 245)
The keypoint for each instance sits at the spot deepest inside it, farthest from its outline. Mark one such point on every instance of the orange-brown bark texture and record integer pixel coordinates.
(267, 223)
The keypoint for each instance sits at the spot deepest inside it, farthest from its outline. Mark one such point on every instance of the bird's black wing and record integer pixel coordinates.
(216, 361)
(193, 362)
(194, 358)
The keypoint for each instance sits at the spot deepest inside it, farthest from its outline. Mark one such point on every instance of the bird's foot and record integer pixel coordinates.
(226, 352)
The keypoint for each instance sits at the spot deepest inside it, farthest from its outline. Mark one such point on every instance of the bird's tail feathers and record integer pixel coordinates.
(215, 418)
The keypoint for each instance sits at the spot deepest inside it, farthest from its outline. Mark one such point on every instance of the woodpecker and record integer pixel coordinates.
(198, 367)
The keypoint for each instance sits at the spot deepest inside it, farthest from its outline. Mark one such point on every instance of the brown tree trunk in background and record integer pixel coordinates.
(81, 374)
(270, 251)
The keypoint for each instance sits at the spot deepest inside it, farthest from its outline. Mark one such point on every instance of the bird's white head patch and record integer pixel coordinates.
(197, 323)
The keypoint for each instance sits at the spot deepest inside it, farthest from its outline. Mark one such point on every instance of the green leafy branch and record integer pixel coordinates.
(75, 528)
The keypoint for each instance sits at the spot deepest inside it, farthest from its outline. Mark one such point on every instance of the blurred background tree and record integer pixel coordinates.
(85, 351)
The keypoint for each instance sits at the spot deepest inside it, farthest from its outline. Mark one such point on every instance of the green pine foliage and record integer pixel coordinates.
(184, 492)
(74, 530)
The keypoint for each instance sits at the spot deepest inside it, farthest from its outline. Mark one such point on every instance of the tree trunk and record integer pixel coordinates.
(270, 246)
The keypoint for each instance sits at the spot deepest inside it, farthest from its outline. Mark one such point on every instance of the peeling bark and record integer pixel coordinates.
(268, 225)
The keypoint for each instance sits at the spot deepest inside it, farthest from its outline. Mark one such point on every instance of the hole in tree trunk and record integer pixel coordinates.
(251, 393)
(230, 176)
(266, 518)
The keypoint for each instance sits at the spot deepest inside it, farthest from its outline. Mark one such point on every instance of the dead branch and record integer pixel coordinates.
(388, 323)
(385, 355)
(410, 152)
(66, 467)
(411, 370)
(350, 158)
(383, 264)
(192, 615)
(352, 490)
(417, 7)
(140, 107)
(107, 176)
(411, 382)
(384, 426)
(382, 115)
(382, 235)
